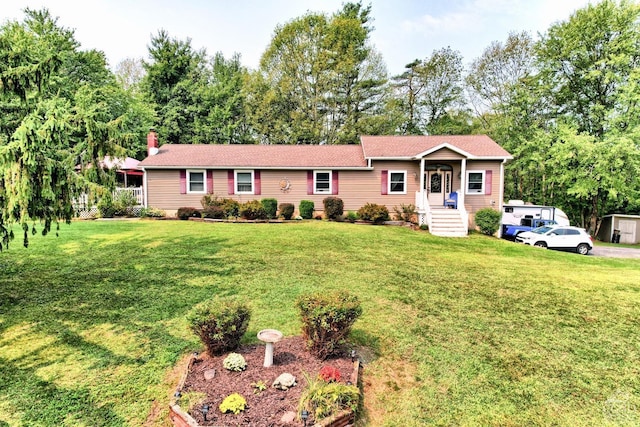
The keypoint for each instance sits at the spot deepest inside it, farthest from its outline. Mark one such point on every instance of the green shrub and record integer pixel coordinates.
(286, 210)
(233, 403)
(323, 399)
(152, 213)
(405, 212)
(333, 207)
(234, 362)
(187, 212)
(374, 213)
(270, 207)
(306, 209)
(327, 319)
(230, 207)
(252, 210)
(351, 216)
(488, 221)
(424, 227)
(220, 208)
(219, 323)
(105, 206)
(214, 212)
(123, 203)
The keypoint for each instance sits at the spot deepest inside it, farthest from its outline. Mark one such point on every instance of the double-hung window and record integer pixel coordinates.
(397, 182)
(322, 182)
(196, 181)
(475, 182)
(244, 182)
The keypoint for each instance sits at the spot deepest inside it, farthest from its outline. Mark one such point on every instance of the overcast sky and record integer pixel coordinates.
(404, 30)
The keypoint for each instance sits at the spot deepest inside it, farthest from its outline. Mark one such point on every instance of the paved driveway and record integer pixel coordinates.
(615, 252)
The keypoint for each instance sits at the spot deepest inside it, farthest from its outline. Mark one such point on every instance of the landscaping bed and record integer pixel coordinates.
(268, 407)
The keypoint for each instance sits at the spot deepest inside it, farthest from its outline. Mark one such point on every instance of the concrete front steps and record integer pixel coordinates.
(447, 223)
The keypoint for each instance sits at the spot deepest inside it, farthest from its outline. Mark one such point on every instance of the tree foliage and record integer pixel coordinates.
(430, 92)
(317, 80)
(196, 99)
(61, 112)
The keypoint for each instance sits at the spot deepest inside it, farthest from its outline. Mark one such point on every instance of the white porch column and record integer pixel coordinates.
(421, 174)
(463, 182)
(144, 188)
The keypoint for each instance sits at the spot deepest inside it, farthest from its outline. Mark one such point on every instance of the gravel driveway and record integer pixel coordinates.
(613, 252)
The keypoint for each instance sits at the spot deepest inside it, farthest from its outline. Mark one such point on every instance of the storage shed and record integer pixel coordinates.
(628, 227)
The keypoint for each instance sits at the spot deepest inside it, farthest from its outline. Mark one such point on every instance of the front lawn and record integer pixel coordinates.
(473, 331)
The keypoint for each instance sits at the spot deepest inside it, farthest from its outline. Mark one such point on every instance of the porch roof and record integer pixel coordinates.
(417, 146)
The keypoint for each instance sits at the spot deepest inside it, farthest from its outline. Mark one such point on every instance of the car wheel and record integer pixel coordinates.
(541, 245)
(582, 249)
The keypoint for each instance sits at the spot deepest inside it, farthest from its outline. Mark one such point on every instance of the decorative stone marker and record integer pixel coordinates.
(269, 336)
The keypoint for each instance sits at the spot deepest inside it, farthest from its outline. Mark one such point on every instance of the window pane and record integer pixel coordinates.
(196, 181)
(243, 182)
(475, 182)
(396, 182)
(323, 182)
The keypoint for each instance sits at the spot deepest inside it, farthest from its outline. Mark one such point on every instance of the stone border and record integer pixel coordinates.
(180, 418)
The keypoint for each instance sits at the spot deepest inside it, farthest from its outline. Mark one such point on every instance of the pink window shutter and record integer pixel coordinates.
(257, 182)
(230, 182)
(209, 181)
(183, 181)
(384, 182)
(309, 182)
(334, 182)
(488, 177)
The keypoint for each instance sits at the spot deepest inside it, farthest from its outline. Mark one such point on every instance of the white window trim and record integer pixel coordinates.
(474, 193)
(315, 180)
(235, 182)
(204, 177)
(404, 179)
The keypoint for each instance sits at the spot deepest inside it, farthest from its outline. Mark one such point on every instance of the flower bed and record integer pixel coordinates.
(265, 407)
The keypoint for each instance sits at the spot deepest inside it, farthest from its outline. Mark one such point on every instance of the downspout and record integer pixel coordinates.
(501, 194)
(144, 185)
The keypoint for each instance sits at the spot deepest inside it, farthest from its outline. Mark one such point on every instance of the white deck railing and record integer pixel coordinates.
(135, 191)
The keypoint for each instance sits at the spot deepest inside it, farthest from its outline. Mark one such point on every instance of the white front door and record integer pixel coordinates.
(438, 185)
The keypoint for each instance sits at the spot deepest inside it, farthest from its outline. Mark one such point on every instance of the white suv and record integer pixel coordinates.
(558, 237)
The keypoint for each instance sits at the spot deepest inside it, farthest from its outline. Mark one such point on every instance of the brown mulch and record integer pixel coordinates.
(267, 407)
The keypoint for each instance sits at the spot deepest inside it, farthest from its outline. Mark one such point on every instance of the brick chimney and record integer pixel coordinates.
(152, 142)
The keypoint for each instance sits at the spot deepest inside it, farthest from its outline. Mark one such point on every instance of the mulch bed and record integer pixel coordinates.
(267, 407)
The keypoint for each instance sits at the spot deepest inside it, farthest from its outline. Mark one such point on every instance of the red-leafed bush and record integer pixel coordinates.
(329, 374)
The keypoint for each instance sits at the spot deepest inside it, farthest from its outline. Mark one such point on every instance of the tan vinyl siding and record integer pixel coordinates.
(444, 154)
(475, 202)
(356, 188)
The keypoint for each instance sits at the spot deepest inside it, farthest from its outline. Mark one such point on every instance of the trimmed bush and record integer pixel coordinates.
(219, 323)
(404, 212)
(270, 207)
(333, 207)
(221, 208)
(306, 209)
(234, 403)
(152, 213)
(186, 213)
(374, 213)
(252, 210)
(488, 221)
(286, 210)
(326, 320)
(351, 216)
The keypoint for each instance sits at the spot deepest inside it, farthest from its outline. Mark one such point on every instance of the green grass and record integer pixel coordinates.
(465, 332)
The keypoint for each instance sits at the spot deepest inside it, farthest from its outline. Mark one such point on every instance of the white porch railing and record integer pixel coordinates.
(135, 191)
(423, 209)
